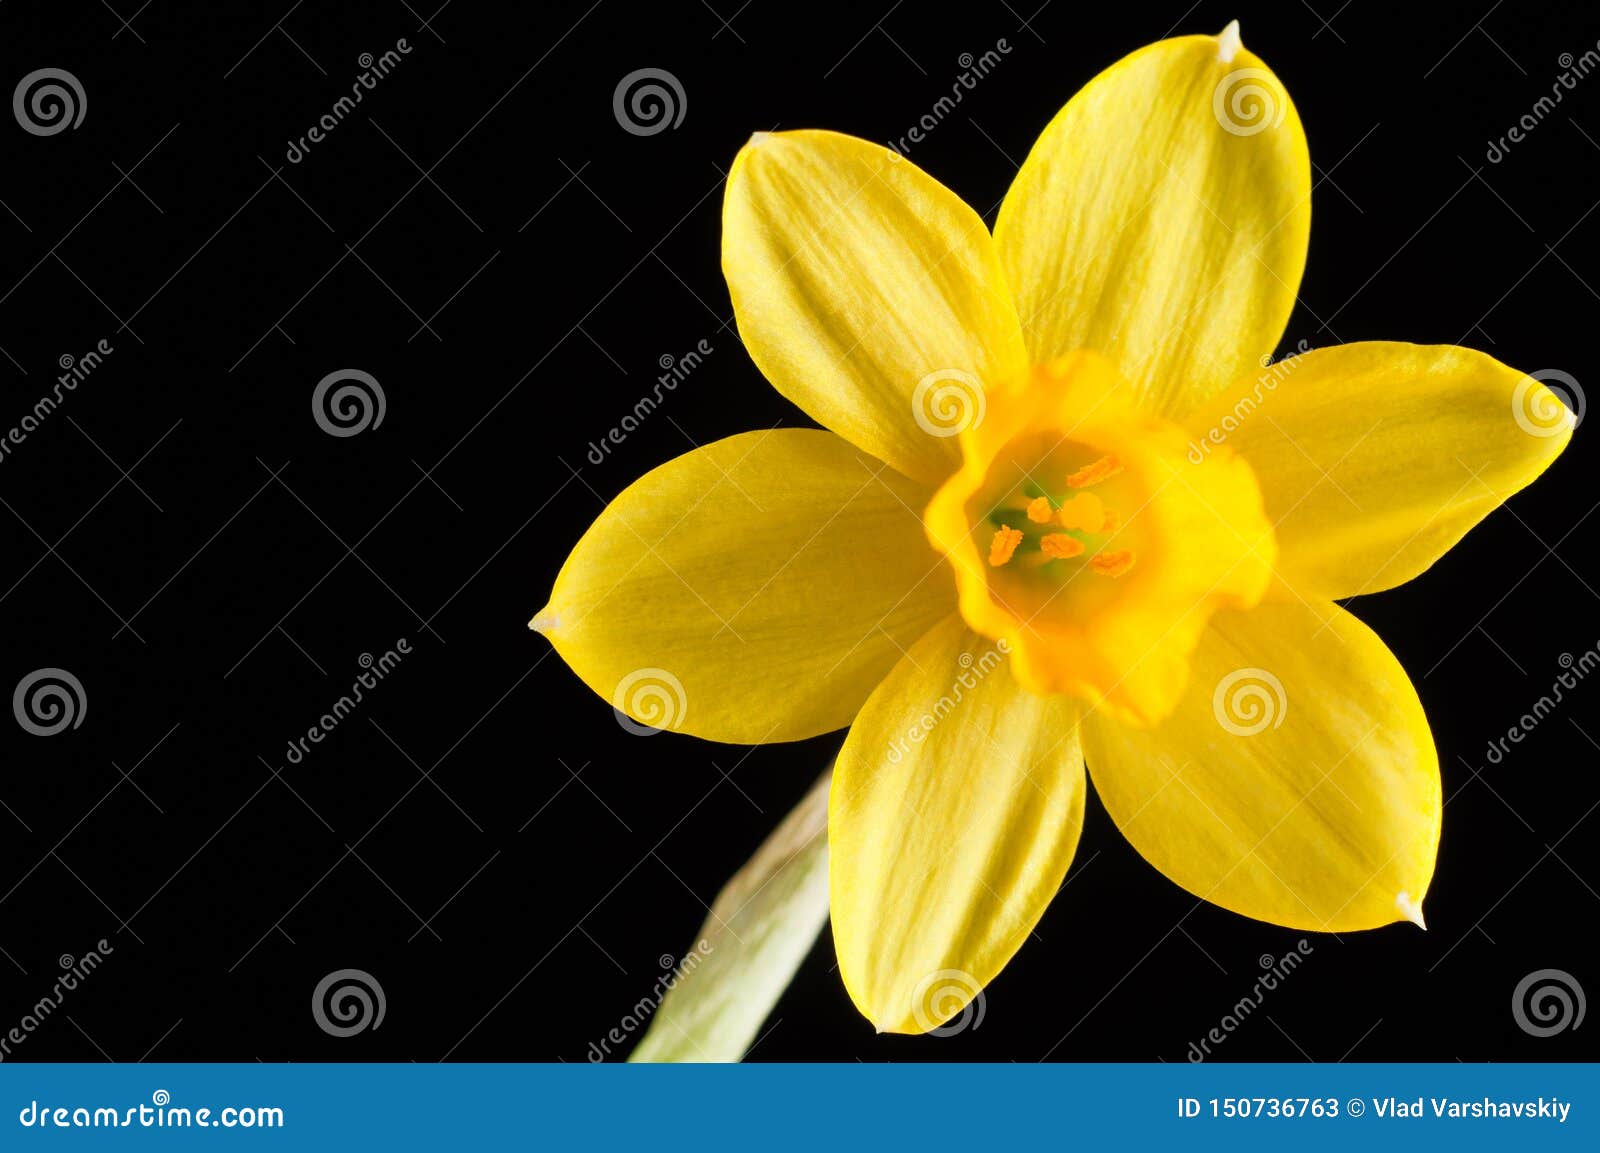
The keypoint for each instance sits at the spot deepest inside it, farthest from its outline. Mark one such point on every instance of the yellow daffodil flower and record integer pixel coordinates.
(1063, 514)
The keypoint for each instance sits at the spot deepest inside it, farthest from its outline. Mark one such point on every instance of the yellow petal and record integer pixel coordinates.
(1375, 458)
(1297, 783)
(868, 294)
(755, 936)
(1162, 219)
(753, 590)
(957, 803)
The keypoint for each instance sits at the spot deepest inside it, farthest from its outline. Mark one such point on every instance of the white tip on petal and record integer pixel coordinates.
(544, 621)
(756, 139)
(1411, 910)
(1228, 42)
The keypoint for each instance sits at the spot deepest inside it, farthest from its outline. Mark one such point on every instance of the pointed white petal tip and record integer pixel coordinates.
(1228, 42)
(757, 139)
(1411, 910)
(544, 621)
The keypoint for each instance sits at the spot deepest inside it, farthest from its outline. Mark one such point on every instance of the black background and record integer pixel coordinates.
(508, 910)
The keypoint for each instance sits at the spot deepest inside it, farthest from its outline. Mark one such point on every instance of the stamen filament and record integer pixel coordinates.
(1102, 469)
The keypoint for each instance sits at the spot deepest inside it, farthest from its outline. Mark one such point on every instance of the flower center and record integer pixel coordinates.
(1059, 523)
(1082, 533)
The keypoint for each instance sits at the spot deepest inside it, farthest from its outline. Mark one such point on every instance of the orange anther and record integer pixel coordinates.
(1112, 521)
(1039, 510)
(1112, 564)
(1005, 543)
(1059, 546)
